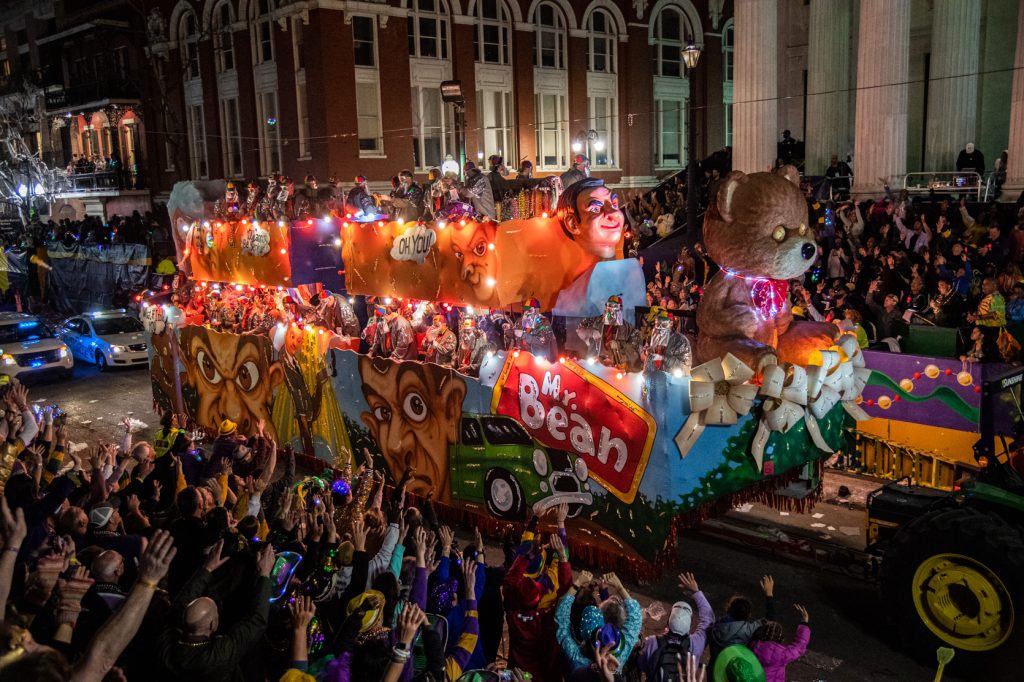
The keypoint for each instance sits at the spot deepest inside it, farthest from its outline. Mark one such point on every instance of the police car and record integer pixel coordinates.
(28, 347)
(112, 338)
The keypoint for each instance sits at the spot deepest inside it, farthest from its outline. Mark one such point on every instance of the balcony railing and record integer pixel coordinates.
(85, 93)
(103, 180)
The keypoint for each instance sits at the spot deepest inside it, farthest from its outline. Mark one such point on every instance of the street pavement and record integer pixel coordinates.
(852, 638)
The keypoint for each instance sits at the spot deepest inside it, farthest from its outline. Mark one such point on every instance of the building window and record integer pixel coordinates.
(270, 136)
(602, 42)
(363, 36)
(602, 113)
(552, 132)
(231, 125)
(223, 38)
(493, 36)
(549, 50)
(669, 133)
(189, 37)
(728, 62)
(368, 113)
(197, 141)
(671, 32)
(430, 126)
(302, 111)
(428, 29)
(495, 134)
(367, 94)
(301, 103)
(263, 35)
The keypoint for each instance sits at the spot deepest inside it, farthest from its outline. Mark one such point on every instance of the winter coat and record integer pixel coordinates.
(774, 656)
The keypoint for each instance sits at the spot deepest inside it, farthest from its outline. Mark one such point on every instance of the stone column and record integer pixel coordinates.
(755, 109)
(1014, 184)
(883, 61)
(828, 82)
(953, 86)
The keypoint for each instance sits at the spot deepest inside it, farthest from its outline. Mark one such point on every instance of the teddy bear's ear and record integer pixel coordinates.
(790, 173)
(727, 192)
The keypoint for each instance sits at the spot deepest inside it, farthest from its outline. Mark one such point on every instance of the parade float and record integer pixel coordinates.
(637, 439)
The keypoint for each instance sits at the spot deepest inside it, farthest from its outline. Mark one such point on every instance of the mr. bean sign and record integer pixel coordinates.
(567, 408)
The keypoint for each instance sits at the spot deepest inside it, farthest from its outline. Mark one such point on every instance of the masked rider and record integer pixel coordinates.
(667, 349)
(439, 343)
(611, 339)
(533, 333)
(473, 347)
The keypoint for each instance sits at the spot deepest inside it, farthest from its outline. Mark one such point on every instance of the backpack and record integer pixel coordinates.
(671, 652)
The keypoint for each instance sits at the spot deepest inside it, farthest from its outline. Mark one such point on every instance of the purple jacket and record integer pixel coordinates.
(698, 637)
(775, 657)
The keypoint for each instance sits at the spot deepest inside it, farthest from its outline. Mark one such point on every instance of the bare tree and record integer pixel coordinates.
(21, 116)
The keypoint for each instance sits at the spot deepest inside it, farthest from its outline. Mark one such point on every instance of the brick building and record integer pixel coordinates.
(241, 88)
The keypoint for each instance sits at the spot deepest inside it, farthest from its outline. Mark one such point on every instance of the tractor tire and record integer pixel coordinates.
(504, 495)
(955, 578)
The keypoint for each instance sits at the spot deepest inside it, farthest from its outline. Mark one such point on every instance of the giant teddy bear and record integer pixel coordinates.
(757, 232)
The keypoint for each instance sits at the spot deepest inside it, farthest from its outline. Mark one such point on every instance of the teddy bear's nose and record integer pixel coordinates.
(808, 251)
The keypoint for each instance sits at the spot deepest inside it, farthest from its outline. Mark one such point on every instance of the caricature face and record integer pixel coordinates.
(478, 263)
(414, 413)
(232, 376)
(600, 225)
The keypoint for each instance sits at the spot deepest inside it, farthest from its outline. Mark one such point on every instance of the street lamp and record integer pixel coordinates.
(587, 137)
(22, 190)
(691, 56)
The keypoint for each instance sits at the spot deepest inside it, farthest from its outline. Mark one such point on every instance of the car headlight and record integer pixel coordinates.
(63, 352)
(540, 462)
(8, 359)
(118, 349)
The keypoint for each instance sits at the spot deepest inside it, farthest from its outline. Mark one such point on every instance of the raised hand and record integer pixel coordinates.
(583, 578)
(12, 526)
(359, 534)
(559, 547)
(688, 582)
(156, 556)
(302, 611)
(804, 617)
(214, 559)
(607, 664)
(265, 560)
(447, 538)
(410, 620)
(768, 585)
(469, 570)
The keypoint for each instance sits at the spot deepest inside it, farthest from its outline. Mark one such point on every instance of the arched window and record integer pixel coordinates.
(188, 34)
(263, 31)
(428, 29)
(223, 38)
(493, 36)
(549, 50)
(728, 61)
(672, 30)
(602, 42)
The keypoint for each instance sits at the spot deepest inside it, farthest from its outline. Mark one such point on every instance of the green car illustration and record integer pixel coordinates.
(497, 463)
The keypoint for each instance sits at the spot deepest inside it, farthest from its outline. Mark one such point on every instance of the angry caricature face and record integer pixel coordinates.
(233, 377)
(414, 416)
(478, 262)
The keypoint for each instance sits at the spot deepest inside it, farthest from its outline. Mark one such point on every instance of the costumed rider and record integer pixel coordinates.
(227, 208)
(394, 337)
(611, 339)
(439, 343)
(360, 204)
(473, 347)
(533, 333)
(335, 313)
(667, 349)
(497, 328)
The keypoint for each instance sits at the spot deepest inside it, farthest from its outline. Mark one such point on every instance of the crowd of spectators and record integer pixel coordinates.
(172, 560)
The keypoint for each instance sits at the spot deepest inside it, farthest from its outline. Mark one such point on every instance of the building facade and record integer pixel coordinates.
(206, 89)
